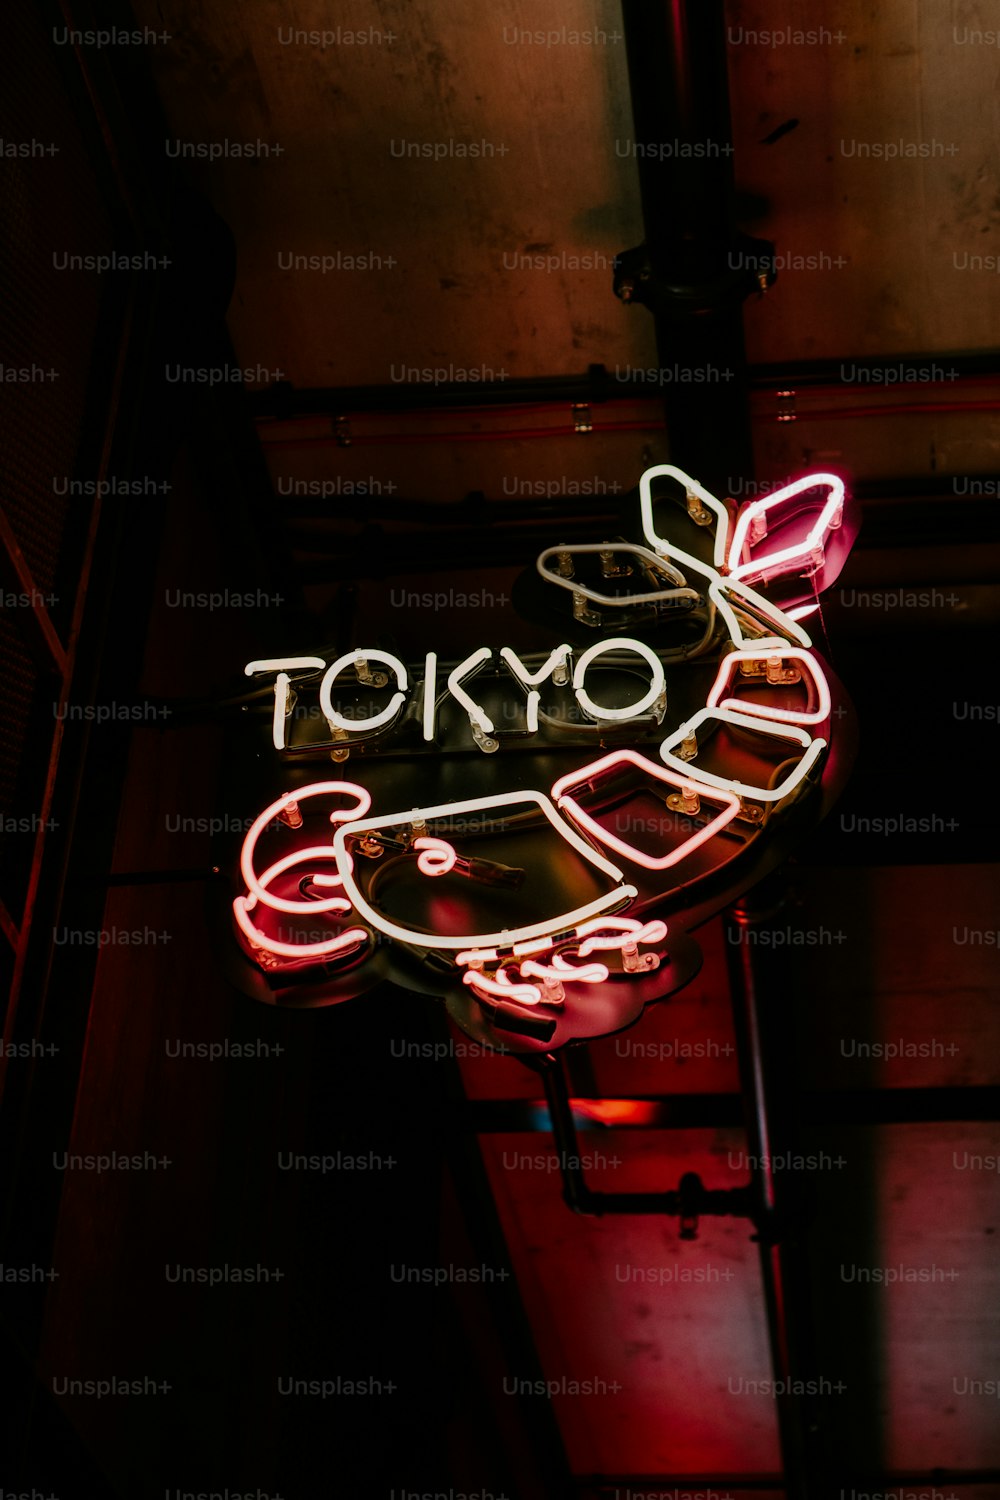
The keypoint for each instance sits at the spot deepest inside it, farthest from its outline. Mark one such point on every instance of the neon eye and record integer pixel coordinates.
(436, 856)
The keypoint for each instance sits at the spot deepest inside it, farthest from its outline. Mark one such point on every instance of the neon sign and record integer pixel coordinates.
(737, 713)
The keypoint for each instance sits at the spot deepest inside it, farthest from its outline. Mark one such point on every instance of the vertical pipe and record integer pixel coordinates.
(676, 56)
(576, 1194)
(763, 1047)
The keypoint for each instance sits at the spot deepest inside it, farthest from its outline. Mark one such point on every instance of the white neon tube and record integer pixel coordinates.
(777, 617)
(561, 971)
(718, 590)
(477, 941)
(376, 721)
(531, 680)
(813, 749)
(501, 989)
(618, 643)
(527, 950)
(568, 804)
(681, 591)
(808, 663)
(280, 710)
(691, 487)
(277, 664)
(719, 587)
(476, 713)
(430, 693)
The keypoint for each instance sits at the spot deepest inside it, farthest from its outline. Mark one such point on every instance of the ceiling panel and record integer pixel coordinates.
(884, 190)
(501, 230)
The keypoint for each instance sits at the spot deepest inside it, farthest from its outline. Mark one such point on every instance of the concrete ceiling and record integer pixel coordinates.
(500, 262)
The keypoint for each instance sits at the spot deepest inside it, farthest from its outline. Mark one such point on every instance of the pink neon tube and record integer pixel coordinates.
(436, 856)
(257, 886)
(730, 807)
(764, 711)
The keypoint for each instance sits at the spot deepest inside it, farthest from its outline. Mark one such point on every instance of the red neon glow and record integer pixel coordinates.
(747, 564)
(616, 1111)
(257, 885)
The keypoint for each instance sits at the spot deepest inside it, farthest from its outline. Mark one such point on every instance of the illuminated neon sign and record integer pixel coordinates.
(721, 764)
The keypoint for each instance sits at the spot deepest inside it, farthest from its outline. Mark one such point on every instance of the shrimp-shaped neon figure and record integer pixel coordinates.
(533, 963)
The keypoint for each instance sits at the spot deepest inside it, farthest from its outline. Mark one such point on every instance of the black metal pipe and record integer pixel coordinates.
(889, 514)
(677, 68)
(576, 1193)
(689, 1202)
(375, 553)
(812, 372)
(498, 511)
(282, 400)
(676, 56)
(760, 1045)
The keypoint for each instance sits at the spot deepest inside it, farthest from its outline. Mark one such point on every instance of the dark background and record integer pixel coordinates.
(501, 263)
